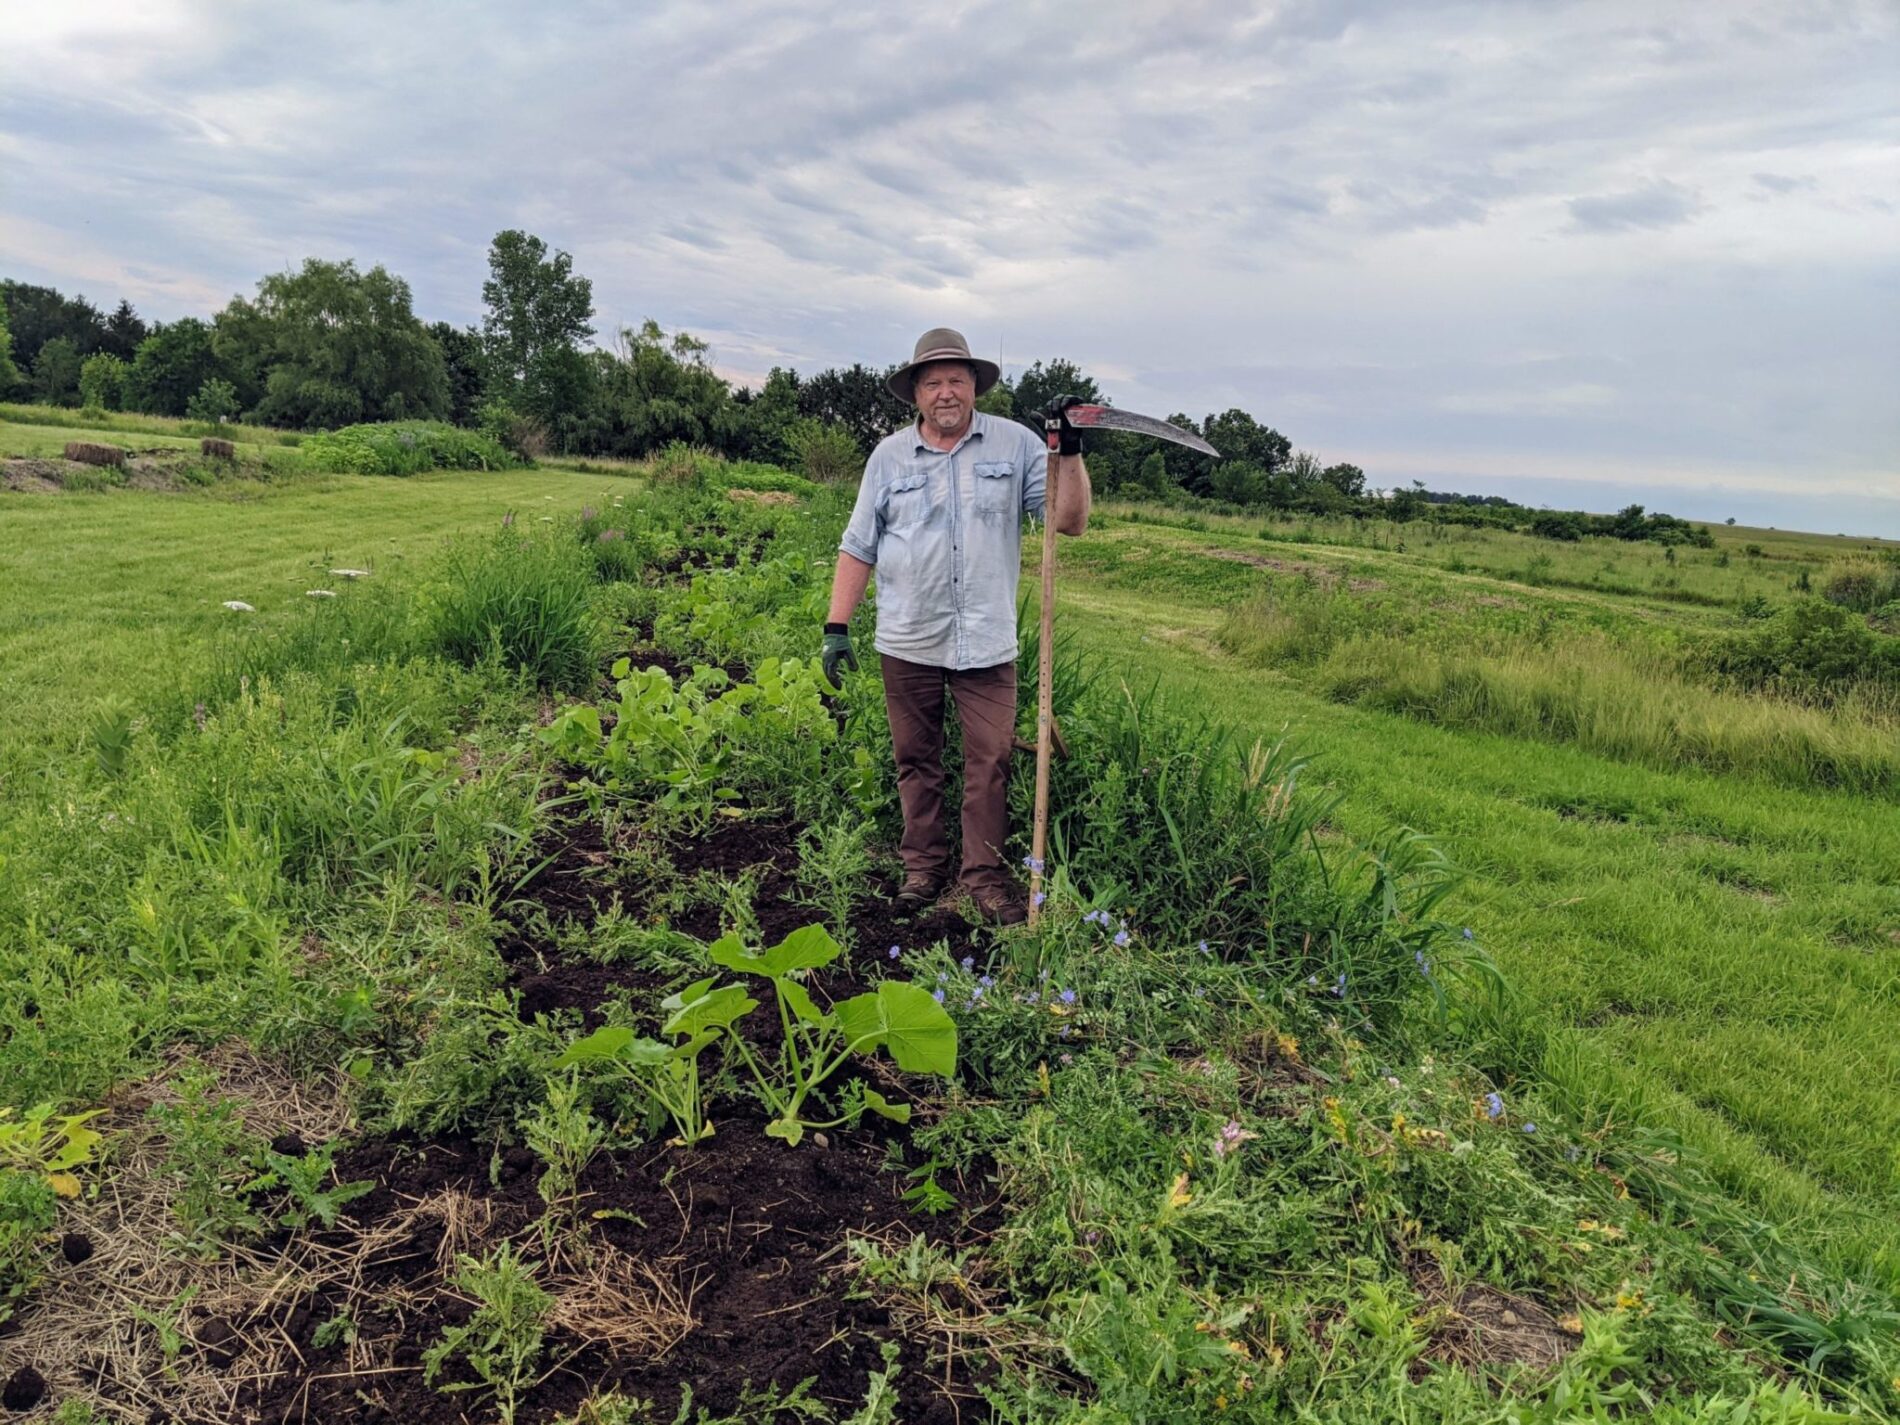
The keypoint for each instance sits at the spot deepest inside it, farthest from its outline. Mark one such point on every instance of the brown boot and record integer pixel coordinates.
(920, 888)
(998, 904)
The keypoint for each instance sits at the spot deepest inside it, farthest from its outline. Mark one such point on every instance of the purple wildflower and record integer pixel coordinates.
(608, 536)
(1339, 986)
(1040, 897)
(1121, 937)
(1034, 863)
(937, 995)
(969, 962)
(1493, 1105)
(1067, 996)
(587, 512)
(894, 952)
(1203, 948)
(1530, 1127)
(1468, 934)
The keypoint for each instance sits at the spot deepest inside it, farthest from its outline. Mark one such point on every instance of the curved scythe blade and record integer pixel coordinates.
(1114, 418)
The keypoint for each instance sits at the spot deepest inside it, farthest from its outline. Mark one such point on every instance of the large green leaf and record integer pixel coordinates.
(904, 1019)
(804, 949)
(730, 951)
(613, 1044)
(801, 1002)
(687, 994)
(715, 1009)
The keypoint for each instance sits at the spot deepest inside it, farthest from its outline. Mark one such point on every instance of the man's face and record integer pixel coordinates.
(946, 395)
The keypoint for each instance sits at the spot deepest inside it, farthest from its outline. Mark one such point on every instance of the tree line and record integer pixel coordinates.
(329, 345)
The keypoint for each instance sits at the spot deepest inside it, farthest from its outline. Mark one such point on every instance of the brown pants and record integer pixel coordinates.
(986, 708)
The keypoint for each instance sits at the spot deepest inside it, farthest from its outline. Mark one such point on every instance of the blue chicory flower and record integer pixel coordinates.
(1339, 986)
(1067, 996)
(1468, 934)
(1493, 1105)
(1034, 863)
(1530, 1127)
(895, 952)
(1121, 937)
(1040, 897)
(969, 962)
(937, 995)
(985, 981)
(1204, 950)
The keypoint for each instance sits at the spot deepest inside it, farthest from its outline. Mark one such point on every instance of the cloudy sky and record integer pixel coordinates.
(1577, 253)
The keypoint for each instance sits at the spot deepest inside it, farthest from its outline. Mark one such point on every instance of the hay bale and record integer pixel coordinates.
(217, 449)
(86, 453)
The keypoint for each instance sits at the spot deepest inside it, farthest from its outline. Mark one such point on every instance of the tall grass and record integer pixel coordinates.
(1617, 698)
(1623, 704)
(523, 600)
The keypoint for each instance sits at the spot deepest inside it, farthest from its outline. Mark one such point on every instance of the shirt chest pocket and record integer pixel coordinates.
(908, 500)
(997, 494)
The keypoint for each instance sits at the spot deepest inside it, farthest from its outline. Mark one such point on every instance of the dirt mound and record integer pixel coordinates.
(160, 469)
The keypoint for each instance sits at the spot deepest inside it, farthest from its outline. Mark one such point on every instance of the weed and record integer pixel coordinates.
(565, 1135)
(834, 867)
(502, 1341)
(306, 1180)
(208, 1154)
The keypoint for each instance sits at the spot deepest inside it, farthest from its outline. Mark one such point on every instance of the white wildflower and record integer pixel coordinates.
(351, 573)
(238, 606)
(319, 593)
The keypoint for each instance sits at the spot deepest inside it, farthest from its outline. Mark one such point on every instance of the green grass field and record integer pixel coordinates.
(1722, 945)
(1691, 891)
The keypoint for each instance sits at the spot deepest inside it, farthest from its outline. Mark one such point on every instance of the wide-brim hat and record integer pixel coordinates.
(942, 344)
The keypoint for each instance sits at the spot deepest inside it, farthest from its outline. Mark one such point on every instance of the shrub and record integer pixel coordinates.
(1810, 647)
(406, 448)
(1557, 524)
(678, 464)
(524, 600)
(216, 401)
(102, 381)
(824, 452)
(1862, 585)
(522, 434)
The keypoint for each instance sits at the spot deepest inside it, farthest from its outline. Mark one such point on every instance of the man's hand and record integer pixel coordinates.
(838, 652)
(1057, 410)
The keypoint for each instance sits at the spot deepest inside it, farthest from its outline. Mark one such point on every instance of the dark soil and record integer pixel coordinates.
(747, 1229)
(24, 1389)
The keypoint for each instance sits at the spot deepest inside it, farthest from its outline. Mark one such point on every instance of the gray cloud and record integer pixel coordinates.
(1660, 204)
(1447, 235)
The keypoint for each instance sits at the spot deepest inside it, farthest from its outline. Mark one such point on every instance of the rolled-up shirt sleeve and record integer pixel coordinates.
(861, 531)
(1035, 474)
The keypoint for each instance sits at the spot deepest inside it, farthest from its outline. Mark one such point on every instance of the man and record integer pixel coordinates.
(939, 517)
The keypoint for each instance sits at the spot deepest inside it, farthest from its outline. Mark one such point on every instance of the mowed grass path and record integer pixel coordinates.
(104, 591)
(1723, 952)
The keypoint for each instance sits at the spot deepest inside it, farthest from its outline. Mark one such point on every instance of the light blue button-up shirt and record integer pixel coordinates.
(944, 529)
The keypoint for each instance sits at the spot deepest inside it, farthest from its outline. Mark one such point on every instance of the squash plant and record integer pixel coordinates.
(897, 1016)
(669, 1073)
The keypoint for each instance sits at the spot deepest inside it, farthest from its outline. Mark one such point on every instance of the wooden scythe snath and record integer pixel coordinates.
(1048, 736)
